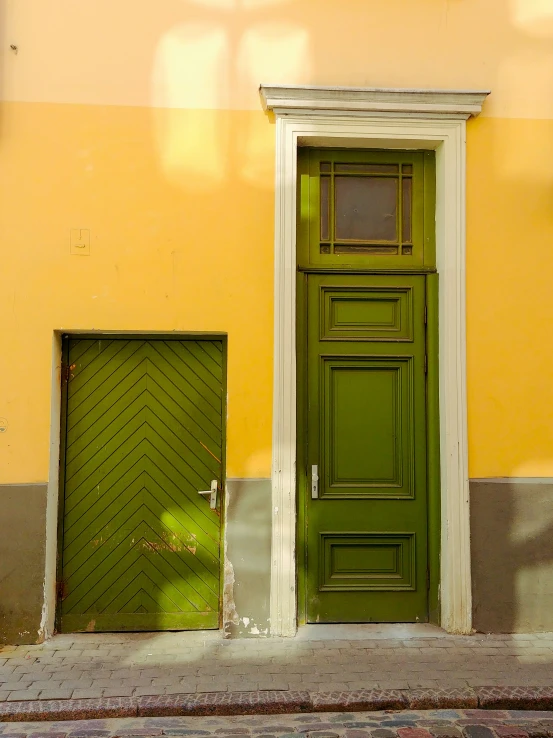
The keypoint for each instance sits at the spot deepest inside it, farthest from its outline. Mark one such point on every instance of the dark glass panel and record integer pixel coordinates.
(407, 207)
(326, 166)
(366, 209)
(325, 208)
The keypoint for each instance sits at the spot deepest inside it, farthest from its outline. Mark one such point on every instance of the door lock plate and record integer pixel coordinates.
(314, 482)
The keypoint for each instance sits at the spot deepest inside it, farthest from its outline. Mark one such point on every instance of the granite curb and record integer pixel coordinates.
(279, 702)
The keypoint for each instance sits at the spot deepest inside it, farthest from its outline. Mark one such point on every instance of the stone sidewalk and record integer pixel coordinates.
(320, 659)
(422, 724)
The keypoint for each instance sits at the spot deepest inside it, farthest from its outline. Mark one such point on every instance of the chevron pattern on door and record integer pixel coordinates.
(143, 433)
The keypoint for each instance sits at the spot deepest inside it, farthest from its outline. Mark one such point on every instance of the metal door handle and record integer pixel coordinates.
(314, 482)
(212, 494)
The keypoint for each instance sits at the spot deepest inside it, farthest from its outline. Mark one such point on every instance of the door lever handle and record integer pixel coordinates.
(212, 494)
(314, 482)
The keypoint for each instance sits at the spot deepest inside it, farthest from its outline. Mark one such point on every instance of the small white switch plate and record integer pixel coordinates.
(80, 241)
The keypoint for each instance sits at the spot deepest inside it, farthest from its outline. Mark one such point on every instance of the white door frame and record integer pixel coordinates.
(357, 118)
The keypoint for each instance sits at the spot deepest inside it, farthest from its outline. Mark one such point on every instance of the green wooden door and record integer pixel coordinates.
(143, 434)
(366, 516)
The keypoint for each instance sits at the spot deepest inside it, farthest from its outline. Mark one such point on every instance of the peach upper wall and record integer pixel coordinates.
(214, 53)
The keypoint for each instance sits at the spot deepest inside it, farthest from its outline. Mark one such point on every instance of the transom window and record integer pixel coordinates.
(367, 207)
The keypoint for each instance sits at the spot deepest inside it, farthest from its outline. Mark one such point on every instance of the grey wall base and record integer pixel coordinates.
(22, 551)
(512, 555)
(511, 538)
(248, 558)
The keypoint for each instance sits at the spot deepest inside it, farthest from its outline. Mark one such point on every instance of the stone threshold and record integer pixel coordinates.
(279, 702)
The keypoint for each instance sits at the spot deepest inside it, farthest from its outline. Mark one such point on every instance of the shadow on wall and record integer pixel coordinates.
(512, 555)
(22, 514)
(213, 62)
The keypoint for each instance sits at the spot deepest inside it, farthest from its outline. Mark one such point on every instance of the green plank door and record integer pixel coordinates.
(366, 531)
(144, 433)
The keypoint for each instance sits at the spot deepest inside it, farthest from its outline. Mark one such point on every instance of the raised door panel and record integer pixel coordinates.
(367, 561)
(361, 313)
(367, 427)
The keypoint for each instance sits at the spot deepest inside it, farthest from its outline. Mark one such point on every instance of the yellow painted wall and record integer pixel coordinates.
(165, 255)
(142, 122)
(509, 297)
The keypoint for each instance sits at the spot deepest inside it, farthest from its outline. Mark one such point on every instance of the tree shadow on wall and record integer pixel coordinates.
(512, 556)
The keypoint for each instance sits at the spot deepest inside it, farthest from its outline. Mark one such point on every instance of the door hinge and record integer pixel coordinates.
(67, 372)
(61, 590)
(425, 364)
(425, 315)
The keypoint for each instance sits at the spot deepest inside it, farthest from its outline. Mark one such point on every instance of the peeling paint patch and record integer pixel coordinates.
(254, 630)
(247, 540)
(230, 616)
(175, 546)
(41, 632)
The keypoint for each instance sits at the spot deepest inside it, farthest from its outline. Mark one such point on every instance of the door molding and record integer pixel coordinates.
(358, 118)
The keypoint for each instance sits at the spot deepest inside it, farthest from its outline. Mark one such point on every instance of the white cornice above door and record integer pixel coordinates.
(291, 99)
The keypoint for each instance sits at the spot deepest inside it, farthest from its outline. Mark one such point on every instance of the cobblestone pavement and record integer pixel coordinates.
(421, 724)
(320, 658)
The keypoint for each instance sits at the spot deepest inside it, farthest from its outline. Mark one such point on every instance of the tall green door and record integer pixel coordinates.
(366, 512)
(368, 476)
(143, 435)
